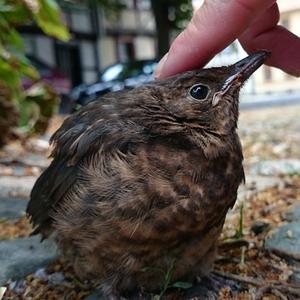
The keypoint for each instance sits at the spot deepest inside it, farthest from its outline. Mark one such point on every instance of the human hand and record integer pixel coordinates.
(219, 22)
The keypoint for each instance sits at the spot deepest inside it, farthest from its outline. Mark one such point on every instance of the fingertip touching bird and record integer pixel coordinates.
(144, 179)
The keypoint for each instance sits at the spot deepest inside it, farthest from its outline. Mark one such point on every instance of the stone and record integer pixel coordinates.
(209, 287)
(2, 291)
(11, 208)
(293, 215)
(53, 279)
(16, 186)
(276, 167)
(24, 256)
(36, 160)
(41, 274)
(29, 160)
(255, 184)
(18, 286)
(261, 183)
(259, 227)
(295, 277)
(285, 241)
(56, 278)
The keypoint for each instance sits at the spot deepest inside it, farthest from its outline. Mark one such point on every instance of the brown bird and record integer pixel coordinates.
(142, 179)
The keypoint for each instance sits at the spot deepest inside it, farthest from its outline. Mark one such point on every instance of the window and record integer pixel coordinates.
(144, 4)
(129, 3)
(126, 50)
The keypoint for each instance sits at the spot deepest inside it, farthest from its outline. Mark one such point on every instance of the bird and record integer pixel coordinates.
(141, 180)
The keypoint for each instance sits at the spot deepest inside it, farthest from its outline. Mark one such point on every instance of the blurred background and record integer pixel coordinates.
(56, 56)
(68, 53)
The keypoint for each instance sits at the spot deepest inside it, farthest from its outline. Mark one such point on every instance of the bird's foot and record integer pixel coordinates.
(215, 283)
(114, 296)
(111, 293)
(132, 296)
(209, 287)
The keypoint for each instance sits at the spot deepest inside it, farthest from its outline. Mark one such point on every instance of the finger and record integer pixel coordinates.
(264, 33)
(214, 26)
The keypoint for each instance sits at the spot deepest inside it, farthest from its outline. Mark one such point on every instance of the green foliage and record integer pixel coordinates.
(180, 13)
(170, 17)
(182, 285)
(47, 18)
(167, 280)
(110, 6)
(8, 114)
(35, 104)
(39, 106)
(240, 230)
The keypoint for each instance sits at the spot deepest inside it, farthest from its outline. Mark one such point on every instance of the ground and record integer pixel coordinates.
(260, 243)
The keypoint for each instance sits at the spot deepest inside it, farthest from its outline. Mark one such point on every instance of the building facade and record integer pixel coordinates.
(98, 40)
(268, 79)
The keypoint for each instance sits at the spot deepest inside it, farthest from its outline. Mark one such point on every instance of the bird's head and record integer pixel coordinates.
(205, 102)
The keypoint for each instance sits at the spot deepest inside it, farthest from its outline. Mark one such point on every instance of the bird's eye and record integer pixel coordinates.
(199, 91)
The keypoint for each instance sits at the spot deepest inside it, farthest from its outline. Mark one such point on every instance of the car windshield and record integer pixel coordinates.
(123, 71)
(111, 73)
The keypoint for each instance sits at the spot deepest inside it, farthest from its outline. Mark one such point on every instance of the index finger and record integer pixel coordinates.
(215, 25)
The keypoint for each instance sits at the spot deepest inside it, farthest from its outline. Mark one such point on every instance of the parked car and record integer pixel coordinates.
(114, 78)
(54, 77)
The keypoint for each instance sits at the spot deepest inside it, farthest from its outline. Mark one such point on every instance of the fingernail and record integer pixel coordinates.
(160, 66)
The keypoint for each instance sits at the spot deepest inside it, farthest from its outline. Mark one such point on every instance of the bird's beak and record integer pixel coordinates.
(244, 68)
(241, 71)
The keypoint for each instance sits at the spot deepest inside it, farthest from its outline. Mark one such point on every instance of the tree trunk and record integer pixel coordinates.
(160, 11)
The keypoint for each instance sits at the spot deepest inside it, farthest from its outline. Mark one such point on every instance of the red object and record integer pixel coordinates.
(54, 77)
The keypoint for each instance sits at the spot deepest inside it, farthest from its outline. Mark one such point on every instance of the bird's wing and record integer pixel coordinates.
(97, 127)
(50, 187)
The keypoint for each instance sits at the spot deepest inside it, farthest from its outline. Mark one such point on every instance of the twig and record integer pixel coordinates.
(244, 279)
(274, 256)
(279, 294)
(292, 290)
(226, 259)
(277, 291)
(242, 260)
(261, 291)
(233, 244)
(263, 285)
(285, 284)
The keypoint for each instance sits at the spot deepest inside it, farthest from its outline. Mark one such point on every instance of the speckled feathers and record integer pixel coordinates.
(144, 179)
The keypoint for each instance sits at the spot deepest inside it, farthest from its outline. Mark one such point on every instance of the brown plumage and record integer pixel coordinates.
(144, 179)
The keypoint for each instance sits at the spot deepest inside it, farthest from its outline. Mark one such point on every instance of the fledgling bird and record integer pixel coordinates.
(143, 179)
